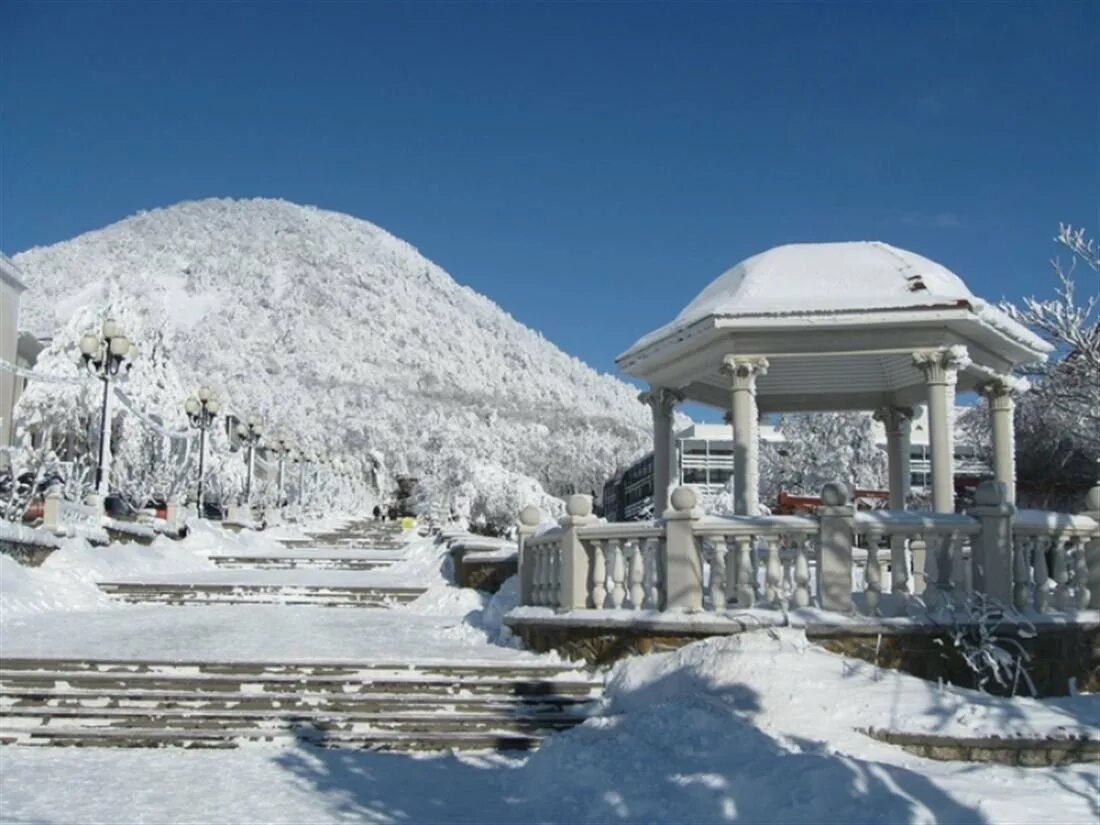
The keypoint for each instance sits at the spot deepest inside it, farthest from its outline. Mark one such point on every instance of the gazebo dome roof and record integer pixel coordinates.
(839, 325)
(808, 277)
(834, 279)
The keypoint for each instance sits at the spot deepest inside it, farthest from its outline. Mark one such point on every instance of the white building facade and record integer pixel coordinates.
(703, 460)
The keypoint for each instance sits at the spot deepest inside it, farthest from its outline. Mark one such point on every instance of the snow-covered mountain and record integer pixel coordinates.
(344, 337)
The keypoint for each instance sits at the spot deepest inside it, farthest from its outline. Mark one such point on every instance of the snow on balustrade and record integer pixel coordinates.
(1051, 558)
(732, 545)
(688, 561)
(623, 565)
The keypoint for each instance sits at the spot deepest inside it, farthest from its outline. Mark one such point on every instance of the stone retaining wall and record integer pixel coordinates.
(1058, 653)
(1027, 753)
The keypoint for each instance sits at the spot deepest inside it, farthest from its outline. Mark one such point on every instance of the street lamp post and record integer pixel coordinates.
(103, 356)
(282, 448)
(201, 411)
(249, 432)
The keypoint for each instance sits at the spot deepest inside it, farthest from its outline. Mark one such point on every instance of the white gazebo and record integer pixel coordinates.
(835, 326)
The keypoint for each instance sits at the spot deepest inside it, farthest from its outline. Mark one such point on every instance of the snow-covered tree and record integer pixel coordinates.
(819, 448)
(1058, 420)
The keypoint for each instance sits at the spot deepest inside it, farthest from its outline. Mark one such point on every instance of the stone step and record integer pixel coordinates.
(175, 718)
(231, 738)
(34, 698)
(302, 670)
(271, 685)
(392, 705)
(328, 596)
(299, 563)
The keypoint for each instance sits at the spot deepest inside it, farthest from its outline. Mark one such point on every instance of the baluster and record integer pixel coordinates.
(944, 550)
(773, 571)
(540, 575)
(1081, 593)
(618, 574)
(730, 560)
(746, 591)
(718, 574)
(1042, 591)
(554, 597)
(960, 580)
(801, 595)
(650, 595)
(1060, 573)
(788, 569)
(1021, 571)
(754, 563)
(918, 549)
(872, 574)
(657, 562)
(637, 574)
(931, 572)
(899, 566)
(599, 574)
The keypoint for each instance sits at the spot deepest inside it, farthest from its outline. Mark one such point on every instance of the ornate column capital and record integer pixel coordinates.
(661, 400)
(941, 366)
(894, 419)
(744, 369)
(1001, 392)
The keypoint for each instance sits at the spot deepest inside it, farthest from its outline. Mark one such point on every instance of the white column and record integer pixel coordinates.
(897, 421)
(941, 368)
(661, 401)
(1002, 410)
(743, 371)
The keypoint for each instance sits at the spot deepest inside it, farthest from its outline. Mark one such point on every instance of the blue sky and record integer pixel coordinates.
(589, 167)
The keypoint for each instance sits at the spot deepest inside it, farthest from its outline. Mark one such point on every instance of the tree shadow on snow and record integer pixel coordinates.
(679, 750)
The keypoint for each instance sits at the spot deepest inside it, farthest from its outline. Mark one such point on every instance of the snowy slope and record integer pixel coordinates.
(342, 335)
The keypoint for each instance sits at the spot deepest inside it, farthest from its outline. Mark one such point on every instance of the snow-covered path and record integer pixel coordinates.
(759, 728)
(253, 633)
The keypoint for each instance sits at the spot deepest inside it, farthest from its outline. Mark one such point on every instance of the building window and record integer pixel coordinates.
(720, 476)
(695, 475)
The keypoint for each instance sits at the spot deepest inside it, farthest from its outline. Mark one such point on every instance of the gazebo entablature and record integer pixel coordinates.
(886, 361)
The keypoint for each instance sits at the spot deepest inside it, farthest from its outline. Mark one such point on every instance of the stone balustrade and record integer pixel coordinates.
(838, 560)
(67, 518)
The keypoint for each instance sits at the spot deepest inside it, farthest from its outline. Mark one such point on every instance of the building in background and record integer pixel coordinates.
(703, 460)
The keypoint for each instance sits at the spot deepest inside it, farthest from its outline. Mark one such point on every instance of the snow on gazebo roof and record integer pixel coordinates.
(860, 302)
(830, 278)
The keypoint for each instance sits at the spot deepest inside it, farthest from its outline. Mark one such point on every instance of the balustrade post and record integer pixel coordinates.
(1092, 549)
(834, 563)
(991, 551)
(172, 516)
(574, 559)
(51, 511)
(529, 519)
(683, 568)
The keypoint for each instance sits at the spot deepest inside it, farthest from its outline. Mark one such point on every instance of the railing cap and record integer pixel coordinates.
(530, 516)
(578, 504)
(835, 494)
(684, 499)
(991, 493)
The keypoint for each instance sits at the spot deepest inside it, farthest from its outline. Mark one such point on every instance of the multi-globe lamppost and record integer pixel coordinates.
(249, 432)
(202, 408)
(104, 356)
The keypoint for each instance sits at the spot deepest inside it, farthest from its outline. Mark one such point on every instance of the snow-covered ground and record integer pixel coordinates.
(761, 727)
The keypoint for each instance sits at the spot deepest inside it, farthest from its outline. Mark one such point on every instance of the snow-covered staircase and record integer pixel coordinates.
(285, 576)
(290, 593)
(387, 706)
